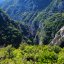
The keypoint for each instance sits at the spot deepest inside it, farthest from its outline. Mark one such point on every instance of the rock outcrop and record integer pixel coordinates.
(59, 38)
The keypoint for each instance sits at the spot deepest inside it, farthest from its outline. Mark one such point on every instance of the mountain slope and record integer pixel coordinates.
(24, 5)
(56, 6)
(35, 21)
(9, 32)
(24, 10)
(21, 9)
(14, 33)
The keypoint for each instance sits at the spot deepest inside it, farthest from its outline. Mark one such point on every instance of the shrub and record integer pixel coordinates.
(56, 49)
(61, 57)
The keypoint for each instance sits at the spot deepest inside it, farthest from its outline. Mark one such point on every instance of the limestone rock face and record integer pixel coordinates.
(59, 38)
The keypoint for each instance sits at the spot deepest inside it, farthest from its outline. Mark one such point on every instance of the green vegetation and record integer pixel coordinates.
(9, 32)
(40, 26)
(52, 26)
(32, 54)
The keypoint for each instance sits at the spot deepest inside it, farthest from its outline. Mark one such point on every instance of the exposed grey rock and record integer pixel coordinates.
(59, 38)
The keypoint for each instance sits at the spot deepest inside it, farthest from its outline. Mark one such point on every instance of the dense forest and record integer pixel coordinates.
(32, 32)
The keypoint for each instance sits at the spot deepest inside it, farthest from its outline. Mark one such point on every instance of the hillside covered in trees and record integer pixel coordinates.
(32, 32)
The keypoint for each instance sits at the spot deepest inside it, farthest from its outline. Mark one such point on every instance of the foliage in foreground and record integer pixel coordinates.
(28, 54)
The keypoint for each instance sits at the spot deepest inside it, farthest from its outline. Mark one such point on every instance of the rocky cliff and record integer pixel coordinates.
(59, 38)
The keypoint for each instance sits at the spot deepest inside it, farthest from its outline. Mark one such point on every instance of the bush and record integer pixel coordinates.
(56, 49)
(32, 54)
(61, 57)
